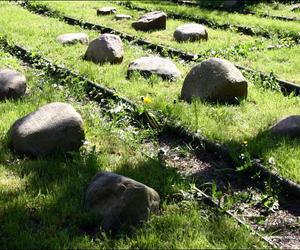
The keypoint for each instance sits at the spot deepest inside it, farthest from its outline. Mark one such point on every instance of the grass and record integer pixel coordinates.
(274, 8)
(41, 199)
(229, 124)
(274, 27)
(282, 62)
(218, 39)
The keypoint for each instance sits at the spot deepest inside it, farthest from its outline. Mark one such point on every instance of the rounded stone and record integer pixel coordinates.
(122, 17)
(54, 127)
(288, 126)
(12, 84)
(149, 65)
(72, 38)
(118, 200)
(155, 20)
(106, 48)
(190, 32)
(215, 80)
(106, 11)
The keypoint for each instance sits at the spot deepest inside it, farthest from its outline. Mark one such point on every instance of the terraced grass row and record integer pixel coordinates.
(41, 199)
(273, 27)
(218, 39)
(228, 124)
(281, 62)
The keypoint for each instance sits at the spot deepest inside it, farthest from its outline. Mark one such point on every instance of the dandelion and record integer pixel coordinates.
(147, 100)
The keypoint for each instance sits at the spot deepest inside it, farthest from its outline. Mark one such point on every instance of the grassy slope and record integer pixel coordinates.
(226, 123)
(41, 199)
(283, 63)
(275, 8)
(274, 26)
(218, 39)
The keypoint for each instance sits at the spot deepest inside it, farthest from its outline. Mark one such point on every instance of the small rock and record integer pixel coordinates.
(72, 38)
(288, 126)
(53, 127)
(147, 66)
(12, 84)
(295, 7)
(190, 32)
(118, 199)
(155, 20)
(215, 80)
(106, 48)
(106, 11)
(122, 17)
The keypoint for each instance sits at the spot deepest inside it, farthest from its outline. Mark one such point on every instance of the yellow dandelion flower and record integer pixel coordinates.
(147, 100)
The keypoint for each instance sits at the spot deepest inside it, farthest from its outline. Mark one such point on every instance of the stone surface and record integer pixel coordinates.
(190, 32)
(155, 20)
(288, 126)
(53, 127)
(147, 66)
(12, 84)
(122, 17)
(106, 11)
(215, 80)
(106, 48)
(118, 199)
(72, 38)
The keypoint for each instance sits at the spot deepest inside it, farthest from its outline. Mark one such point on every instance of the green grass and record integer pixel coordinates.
(274, 8)
(218, 39)
(228, 124)
(222, 17)
(41, 199)
(283, 62)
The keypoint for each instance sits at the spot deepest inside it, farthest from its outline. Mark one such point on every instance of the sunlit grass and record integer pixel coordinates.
(229, 124)
(41, 199)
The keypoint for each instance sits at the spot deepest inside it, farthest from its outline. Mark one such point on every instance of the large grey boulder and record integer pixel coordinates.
(106, 48)
(288, 126)
(155, 20)
(53, 127)
(12, 84)
(215, 80)
(106, 11)
(122, 17)
(118, 199)
(190, 32)
(72, 38)
(149, 65)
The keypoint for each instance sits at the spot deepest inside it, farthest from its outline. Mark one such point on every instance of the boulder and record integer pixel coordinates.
(12, 84)
(190, 32)
(106, 11)
(72, 38)
(122, 17)
(288, 126)
(106, 48)
(215, 80)
(118, 200)
(53, 127)
(155, 20)
(149, 65)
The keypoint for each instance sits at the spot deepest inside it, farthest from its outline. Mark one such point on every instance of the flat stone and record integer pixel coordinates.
(106, 48)
(12, 84)
(106, 11)
(288, 126)
(155, 20)
(215, 80)
(118, 200)
(54, 127)
(72, 38)
(147, 66)
(190, 32)
(122, 17)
